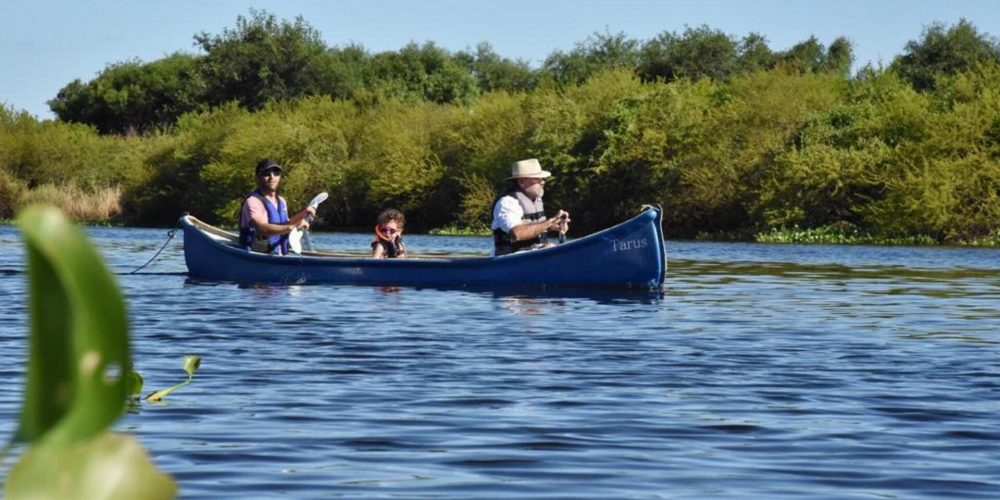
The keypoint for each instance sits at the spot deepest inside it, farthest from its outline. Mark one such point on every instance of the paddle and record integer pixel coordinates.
(297, 235)
(314, 203)
(562, 229)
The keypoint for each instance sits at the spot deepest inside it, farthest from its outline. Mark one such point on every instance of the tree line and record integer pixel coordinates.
(264, 59)
(728, 134)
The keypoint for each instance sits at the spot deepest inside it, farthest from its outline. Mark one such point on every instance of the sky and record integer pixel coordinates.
(46, 44)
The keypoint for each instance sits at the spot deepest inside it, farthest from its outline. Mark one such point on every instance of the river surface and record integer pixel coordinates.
(767, 371)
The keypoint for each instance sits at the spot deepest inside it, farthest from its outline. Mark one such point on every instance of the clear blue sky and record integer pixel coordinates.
(45, 44)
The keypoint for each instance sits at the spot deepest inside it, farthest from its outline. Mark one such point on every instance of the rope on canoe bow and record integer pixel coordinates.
(170, 236)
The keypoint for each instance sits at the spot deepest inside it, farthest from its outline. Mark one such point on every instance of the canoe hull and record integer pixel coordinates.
(630, 254)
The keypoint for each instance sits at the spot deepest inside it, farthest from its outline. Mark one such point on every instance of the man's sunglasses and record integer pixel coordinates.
(270, 173)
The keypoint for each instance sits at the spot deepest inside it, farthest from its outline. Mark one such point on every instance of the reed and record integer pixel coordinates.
(11, 192)
(98, 204)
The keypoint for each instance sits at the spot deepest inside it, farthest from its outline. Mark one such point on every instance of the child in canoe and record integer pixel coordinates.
(388, 243)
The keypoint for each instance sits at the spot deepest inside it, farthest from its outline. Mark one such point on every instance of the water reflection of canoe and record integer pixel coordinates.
(630, 254)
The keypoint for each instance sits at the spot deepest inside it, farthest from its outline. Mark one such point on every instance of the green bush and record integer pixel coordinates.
(476, 146)
(783, 140)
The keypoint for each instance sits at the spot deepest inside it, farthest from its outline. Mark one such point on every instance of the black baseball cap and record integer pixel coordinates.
(266, 165)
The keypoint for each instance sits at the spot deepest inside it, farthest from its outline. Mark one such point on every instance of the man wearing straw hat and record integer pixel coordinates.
(519, 221)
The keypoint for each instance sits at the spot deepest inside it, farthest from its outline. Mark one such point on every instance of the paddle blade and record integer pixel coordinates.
(319, 198)
(295, 241)
(307, 243)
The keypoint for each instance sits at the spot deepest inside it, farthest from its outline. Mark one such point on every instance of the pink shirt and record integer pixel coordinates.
(253, 210)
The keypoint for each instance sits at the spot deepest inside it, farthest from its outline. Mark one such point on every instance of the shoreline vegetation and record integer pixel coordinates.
(827, 235)
(737, 141)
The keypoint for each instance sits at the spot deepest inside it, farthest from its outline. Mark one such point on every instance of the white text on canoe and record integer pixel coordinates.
(628, 245)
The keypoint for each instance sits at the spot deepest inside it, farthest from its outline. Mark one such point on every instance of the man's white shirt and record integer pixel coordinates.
(507, 214)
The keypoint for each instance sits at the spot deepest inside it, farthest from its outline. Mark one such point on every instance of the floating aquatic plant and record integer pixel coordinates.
(191, 364)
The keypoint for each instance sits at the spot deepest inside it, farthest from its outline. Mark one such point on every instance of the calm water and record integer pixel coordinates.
(761, 371)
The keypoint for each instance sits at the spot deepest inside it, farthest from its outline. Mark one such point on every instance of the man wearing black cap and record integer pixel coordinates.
(264, 221)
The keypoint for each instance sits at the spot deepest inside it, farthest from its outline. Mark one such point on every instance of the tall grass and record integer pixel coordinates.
(91, 205)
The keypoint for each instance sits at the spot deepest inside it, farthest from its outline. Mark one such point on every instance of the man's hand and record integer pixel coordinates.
(301, 220)
(560, 222)
(533, 230)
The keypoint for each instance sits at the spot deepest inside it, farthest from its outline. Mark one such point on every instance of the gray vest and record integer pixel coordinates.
(534, 211)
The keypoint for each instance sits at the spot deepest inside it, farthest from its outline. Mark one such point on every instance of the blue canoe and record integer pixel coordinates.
(630, 254)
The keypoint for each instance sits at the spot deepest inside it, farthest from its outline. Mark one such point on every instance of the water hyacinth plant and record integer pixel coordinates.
(78, 376)
(840, 234)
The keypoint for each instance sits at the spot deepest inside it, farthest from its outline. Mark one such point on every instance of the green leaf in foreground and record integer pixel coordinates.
(78, 369)
(79, 339)
(109, 466)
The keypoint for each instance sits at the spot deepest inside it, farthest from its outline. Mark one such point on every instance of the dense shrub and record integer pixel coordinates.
(752, 141)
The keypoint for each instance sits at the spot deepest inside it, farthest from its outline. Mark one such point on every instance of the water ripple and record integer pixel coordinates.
(760, 371)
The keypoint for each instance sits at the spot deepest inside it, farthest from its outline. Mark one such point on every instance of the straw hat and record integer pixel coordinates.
(529, 168)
